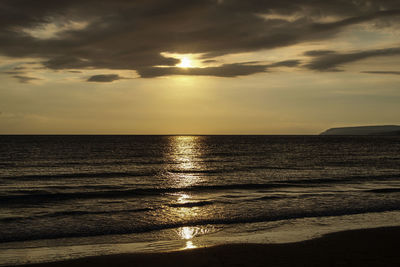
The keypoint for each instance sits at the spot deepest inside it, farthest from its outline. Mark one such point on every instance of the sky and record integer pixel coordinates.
(198, 66)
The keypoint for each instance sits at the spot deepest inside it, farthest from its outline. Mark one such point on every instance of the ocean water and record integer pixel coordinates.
(72, 196)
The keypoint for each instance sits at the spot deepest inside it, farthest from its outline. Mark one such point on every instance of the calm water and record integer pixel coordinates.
(86, 190)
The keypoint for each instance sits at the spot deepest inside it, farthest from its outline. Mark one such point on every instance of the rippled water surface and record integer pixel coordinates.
(114, 189)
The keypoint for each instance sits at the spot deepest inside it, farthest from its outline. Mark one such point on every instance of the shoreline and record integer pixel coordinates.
(362, 247)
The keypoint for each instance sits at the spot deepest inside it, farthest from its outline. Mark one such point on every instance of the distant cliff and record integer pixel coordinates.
(364, 130)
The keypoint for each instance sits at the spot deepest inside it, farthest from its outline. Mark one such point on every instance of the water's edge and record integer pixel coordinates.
(255, 233)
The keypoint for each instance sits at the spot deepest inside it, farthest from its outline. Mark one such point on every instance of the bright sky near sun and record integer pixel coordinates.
(185, 63)
(193, 67)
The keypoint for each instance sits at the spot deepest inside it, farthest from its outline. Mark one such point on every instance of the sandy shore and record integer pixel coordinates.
(367, 247)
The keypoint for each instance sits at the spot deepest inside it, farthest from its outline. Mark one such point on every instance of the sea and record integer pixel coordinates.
(64, 197)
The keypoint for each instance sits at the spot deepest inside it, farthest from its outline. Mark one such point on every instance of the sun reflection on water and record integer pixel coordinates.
(185, 155)
(188, 233)
(189, 245)
(192, 234)
(183, 198)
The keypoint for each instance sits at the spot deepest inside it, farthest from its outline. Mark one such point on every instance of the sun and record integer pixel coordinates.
(185, 63)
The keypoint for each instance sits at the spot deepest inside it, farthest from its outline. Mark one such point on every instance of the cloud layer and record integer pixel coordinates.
(331, 61)
(131, 35)
(226, 70)
(382, 72)
(104, 78)
(25, 79)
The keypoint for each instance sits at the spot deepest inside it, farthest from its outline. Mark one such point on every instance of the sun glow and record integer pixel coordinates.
(185, 63)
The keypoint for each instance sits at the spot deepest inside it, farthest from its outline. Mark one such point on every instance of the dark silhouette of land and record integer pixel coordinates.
(366, 247)
(364, 130)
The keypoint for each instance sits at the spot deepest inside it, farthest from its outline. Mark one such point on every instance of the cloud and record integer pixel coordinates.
(226, 70)
(286, 63)
(131, 35)
(357, 19)
(209, 61)
(317, 53)
(25, 79)
(382, 72)
(12, 72)
(332, 61)
(104, 78)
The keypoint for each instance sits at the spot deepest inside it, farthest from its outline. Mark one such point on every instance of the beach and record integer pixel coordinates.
(364, 247)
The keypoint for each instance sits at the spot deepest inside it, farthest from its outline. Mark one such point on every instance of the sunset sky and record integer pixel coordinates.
(197, 66)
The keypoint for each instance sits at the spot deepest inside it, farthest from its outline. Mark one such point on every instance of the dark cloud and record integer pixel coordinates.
(132, 35)
(25, 79)
(332, 61)
(356, 20)
(209, 61)
(12, 72)
(227, 70)
(104, 78)
(286, 63)
(382, 72)
(316, 53)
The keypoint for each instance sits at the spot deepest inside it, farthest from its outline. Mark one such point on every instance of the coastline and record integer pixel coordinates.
(363, 247)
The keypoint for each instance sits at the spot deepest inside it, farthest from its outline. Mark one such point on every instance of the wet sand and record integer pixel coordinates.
(366, 247)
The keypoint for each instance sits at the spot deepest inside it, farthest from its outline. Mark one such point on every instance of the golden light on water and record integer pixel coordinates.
(189, 245)
(188, 233)
(185, 152)
(183, 198)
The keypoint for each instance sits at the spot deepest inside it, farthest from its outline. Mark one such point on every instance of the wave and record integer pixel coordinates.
(82, 162)
(349, 179)
(38, 196)
(41, 195)
(82, 175)
(270, 197)
(73, 213)
(110, 212)
(119, 230)
(385, 190)
(191, 204)
(232, 169)
(124, 174)
(160, 172)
